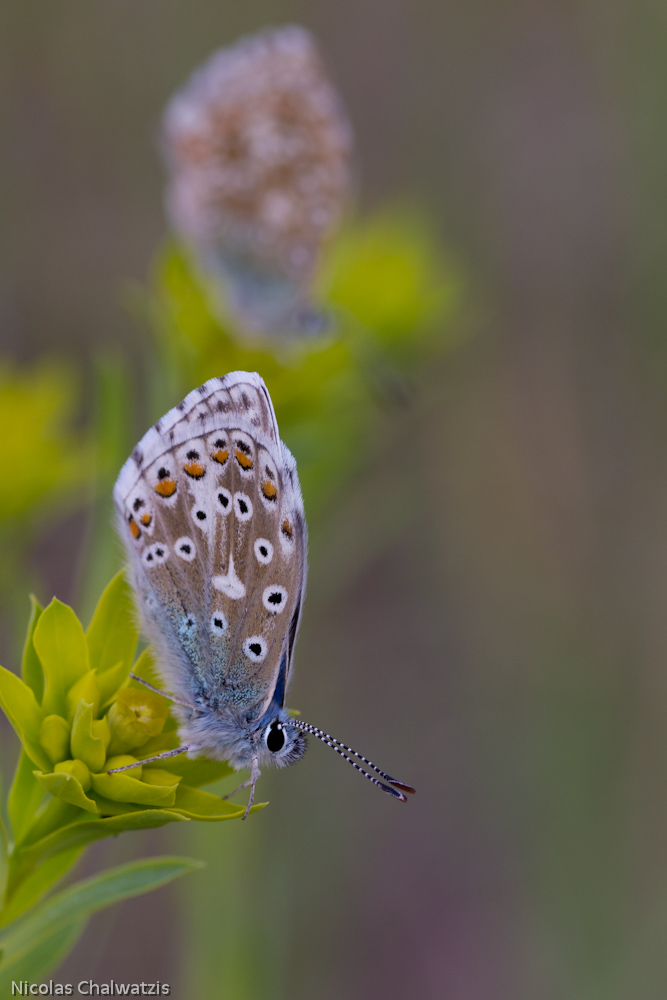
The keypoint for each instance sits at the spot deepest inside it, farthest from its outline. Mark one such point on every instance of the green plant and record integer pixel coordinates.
(77, 712)
(391, 294)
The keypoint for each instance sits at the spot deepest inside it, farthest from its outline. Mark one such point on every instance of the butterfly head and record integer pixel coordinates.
(281, 744)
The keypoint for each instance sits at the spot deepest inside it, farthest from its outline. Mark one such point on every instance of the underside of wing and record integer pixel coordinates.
(212, 517)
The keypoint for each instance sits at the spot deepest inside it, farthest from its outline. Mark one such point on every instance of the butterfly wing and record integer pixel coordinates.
(211, 514)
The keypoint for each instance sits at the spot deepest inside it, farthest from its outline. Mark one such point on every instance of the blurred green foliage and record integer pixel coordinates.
(49, 460)
(391, 295)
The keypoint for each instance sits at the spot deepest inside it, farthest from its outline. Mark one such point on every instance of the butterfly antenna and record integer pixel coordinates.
(394, 787)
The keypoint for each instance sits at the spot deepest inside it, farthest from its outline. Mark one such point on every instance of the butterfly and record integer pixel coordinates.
(258, 149)
(211, 514)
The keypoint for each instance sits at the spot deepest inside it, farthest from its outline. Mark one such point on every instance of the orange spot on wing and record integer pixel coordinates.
(244, 460)
(269, 490)
(146, 520)
(166, 488)
(134, 527)
(195, 469)
(287, 529)
(220, 456)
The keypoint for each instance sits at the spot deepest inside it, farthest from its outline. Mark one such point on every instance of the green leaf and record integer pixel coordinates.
(158, 776)
(62, 649)
(37, 884)
(66, 787)
(19, 705)
(31, 669)
(79, 901)
(195, 804)
(52, 814)
(112, 634)
(110, 681)
(145, 667)
(123, 788)
(4, 850)
(85, 689)
(194, 772)
(79, 834)
(47, 954)
(25, 796)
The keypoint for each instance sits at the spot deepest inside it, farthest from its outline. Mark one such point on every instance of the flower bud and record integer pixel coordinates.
(85, 688)
(77, 769)
(54, 736)
(90, 738)
(134, 718)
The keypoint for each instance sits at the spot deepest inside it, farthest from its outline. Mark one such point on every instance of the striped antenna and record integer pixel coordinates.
(398, 786)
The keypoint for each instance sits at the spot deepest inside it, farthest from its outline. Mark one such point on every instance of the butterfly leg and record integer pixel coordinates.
(254, 775)
(169, 697)
(148, 760)
(245, 784)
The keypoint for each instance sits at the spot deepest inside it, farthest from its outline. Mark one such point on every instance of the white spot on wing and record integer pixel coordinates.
(155, 555)
(185, 548)
(229, 584)
(218, 623)
(255, 648)
(224, 501)
(242, 506)
(274, 598)
(263, 551)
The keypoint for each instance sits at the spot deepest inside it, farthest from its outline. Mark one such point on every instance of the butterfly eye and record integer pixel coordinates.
(275, 737)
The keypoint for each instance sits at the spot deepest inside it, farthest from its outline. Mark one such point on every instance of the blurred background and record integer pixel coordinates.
(485, 615)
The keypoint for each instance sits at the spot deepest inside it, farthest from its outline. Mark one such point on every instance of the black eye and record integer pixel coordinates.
(275, 738)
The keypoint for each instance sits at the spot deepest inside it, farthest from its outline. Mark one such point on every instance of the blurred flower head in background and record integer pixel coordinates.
(258, 148)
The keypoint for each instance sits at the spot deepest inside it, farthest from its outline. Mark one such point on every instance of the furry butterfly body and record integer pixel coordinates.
(210, 510)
